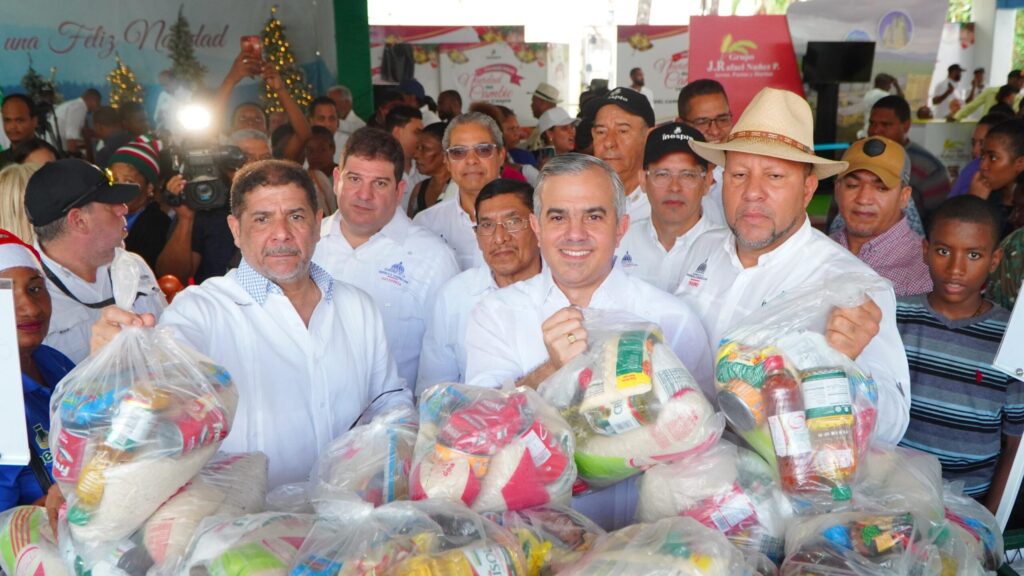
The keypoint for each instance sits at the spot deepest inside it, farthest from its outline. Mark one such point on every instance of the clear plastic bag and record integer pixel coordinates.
(803, 406)
(630, 401)
(891, 543)
(728, 489)
(975, 526)
(898, 478)
(27, 545)
(552, 537)
(372, 461)
(263, 544)
(671, 546)
(493, 450)
(427, 538)
(131, 425)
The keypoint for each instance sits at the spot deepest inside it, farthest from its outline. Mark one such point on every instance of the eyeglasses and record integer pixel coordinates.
(482, 151)
(723, 121)
(109, 181)
(689, 179)
(512, 225)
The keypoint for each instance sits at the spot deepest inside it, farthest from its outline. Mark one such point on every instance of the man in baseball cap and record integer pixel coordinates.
(770, 247)
(872, 194)
(676, 181)
(621, 122)
(78, 212)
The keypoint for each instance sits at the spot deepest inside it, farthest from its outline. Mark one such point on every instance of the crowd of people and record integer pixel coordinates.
(355, 264)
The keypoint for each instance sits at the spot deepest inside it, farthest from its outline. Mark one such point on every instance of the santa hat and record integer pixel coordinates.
(14, 253)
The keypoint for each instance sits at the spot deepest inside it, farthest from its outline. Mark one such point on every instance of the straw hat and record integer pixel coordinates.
(777, 123)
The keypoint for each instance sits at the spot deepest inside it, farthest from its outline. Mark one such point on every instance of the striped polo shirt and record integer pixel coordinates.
(960, 404)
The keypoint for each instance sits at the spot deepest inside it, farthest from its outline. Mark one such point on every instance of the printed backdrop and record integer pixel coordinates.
(663, 54)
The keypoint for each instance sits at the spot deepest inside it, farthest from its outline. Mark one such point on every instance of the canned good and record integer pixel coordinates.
(69, 455)
(202, 424)
(742, 404)
(132, 424)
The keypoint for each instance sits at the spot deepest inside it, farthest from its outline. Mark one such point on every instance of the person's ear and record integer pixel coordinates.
(810, 186)
(905, 197)
(924, 250)
(620, 228)
(235, 227)
(997, 258)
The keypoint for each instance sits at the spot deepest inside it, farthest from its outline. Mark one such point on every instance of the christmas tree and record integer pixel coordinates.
(278, 52)
(34, 83)
(184, 65)
(124, 87)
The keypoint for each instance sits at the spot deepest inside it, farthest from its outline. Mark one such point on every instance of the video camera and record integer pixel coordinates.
(206, 170)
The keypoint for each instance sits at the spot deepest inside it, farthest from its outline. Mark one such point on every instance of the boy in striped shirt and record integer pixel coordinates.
(962, 410)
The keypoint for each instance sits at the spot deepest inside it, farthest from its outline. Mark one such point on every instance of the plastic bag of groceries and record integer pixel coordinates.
(264, 544)
(630, 401)
(27, 545)
(898, 478)
(132, 424)
(805, 407)
(426, 538)
(975, 526)
(494, 450)
(231, 484)
(552, 537)
(679, 546)
(727, 488)
(373, 460)
(870, 543)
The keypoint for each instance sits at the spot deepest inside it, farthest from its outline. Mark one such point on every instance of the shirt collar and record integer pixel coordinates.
(897, 235)
(791, 245)
(396, 229)
(603, 297)
(697, 229)
(260, 287)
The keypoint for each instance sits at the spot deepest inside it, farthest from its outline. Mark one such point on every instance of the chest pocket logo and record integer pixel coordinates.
(395, 274)
(695, 278)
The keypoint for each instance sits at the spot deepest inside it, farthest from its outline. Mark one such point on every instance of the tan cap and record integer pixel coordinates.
(882, 157)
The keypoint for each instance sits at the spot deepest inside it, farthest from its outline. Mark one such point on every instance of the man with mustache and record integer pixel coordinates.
(872, 194)
(676, 181)
(770, 176)
(371, 243)
(621, 121)
(307, 352)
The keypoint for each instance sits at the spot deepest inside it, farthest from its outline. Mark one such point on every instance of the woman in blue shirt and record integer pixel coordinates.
(42, 368)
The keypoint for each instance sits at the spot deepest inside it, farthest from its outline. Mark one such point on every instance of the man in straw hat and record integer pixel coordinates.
(545, 97)
(770, 248)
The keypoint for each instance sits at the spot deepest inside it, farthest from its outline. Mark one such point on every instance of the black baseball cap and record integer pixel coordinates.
(629, 100)
(669, 138)
(59, 186)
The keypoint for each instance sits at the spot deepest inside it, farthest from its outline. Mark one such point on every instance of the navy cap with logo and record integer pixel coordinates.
(629, 100)
(669, 138)
(59, 186)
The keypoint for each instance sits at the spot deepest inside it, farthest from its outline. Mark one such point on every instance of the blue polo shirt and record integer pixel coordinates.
(18, 485)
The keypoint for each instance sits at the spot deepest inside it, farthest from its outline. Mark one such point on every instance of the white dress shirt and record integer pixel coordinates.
(941, 110)
(299, 387)
(714, 210)
(402, 268)
(443, 358)
(71, 119)
(448, 220)
(641, 254)
(638, 206)
(723, 292)
(71, 319)
(350, 123)
(504, 342)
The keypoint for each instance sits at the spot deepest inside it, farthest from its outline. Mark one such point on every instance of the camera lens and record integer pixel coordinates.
(203, 193)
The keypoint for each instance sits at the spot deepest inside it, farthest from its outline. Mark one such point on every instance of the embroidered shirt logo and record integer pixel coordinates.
(697, 276)
(394, 274)
(627, 261)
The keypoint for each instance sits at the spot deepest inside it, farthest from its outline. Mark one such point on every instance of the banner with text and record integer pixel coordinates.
(745, 54)
(662, 52)
(77, 42)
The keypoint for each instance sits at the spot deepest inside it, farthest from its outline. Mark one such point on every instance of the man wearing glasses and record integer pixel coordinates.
(474, 153)
(703, 105)
(78, 212)
(510, 249)
(676, 181)
(371, 244)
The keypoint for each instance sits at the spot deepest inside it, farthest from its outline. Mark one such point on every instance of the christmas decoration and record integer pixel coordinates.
(184, 65)
(34, 83)
(278, 53)
(124, 87)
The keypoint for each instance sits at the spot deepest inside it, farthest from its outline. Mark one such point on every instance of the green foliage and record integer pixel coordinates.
(960, 11)
(184, 64)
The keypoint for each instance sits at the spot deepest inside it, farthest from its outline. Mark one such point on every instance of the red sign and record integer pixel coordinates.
(745, 54)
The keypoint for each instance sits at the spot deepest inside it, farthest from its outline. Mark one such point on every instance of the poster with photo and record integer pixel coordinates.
(663, 53)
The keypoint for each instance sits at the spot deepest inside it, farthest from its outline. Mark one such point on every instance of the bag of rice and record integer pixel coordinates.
(27, 545)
